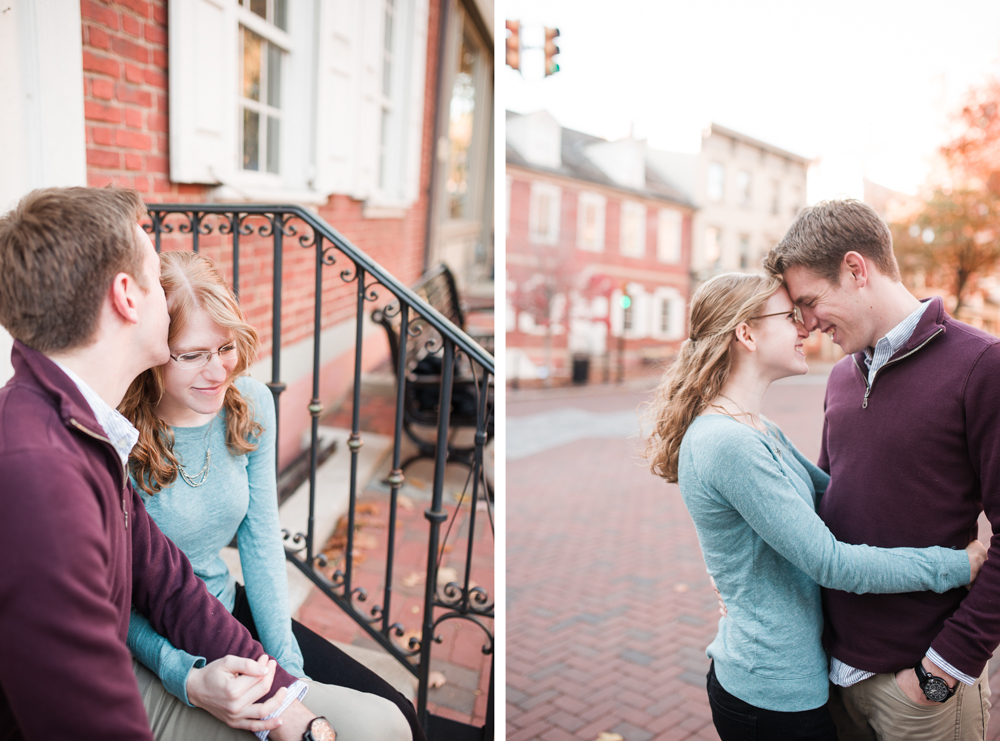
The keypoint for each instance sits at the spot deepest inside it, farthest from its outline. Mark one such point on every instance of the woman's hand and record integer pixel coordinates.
(722, 605)
(977, 555)
(229, 688)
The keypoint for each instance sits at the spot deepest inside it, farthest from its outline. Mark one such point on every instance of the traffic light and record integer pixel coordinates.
(514, 44)
(551, 50)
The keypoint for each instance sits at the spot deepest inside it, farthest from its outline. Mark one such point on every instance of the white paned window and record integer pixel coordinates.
(543, 213)
(744, 251)
(668, 318)
(713, 246)
(296, 101)
(668, 236)
(743, 193)
(633, 230)
(590, 222)
(716, 184)
(260, 95)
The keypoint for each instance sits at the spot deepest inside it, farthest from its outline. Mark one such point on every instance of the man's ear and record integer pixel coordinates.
(743, 334)
(123, 297)
(855, 269)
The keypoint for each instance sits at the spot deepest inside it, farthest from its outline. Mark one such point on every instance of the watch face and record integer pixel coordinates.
(935, 689)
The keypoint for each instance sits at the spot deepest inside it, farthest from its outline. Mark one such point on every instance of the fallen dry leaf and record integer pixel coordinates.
(681, 588)
(417, 483)
(367, 508)
(436, 679)
(605, 736)
(446, 574)
(412, 579)
(404, 502)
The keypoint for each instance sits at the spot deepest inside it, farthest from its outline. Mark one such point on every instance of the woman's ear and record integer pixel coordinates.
(743, 334)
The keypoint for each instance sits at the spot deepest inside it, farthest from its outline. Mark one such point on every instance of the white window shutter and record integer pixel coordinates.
(338, 96)
(204, 116)
(417, 60)
(370, 111)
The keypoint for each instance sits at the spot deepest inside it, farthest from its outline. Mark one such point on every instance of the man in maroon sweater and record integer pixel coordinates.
(912, 444)
(80, 293)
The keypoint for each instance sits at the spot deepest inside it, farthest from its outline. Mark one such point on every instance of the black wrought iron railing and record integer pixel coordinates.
(427, 334)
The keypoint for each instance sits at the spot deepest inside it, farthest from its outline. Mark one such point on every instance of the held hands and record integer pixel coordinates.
(229, 688)
(977, 555)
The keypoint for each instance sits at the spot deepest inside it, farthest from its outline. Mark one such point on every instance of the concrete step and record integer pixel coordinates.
(333, 480)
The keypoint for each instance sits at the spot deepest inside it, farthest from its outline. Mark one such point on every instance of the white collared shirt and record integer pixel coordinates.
(122, 433)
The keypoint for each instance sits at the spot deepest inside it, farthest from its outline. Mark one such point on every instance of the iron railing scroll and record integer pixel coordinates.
(462, 600)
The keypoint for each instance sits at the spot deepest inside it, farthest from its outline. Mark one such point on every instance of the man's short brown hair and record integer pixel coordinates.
(822, 234)
(60, 249)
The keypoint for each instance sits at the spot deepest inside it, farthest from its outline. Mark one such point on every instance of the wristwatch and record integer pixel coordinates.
(319, 729)
(934, 688)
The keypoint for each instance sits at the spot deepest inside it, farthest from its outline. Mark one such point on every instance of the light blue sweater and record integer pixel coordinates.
(753, 501)
(239, 498)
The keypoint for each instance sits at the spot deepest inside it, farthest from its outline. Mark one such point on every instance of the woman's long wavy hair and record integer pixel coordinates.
(192, 284)
(703, 365)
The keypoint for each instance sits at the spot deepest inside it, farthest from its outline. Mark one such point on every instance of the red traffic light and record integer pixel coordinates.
(551, 50)
(514, 44)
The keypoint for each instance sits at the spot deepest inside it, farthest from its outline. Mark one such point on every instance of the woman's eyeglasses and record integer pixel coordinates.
(794, 316)
(201, 357)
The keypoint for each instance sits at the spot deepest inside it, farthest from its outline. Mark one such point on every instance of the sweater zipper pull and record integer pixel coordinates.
(125, 510)
(864, 403)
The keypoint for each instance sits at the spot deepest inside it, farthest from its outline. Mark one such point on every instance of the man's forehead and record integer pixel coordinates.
(802, 285)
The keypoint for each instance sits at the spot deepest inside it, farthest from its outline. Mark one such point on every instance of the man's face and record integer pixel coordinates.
(834, 309)
(153, 307)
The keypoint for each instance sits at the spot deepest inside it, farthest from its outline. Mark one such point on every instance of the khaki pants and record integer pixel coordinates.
(356, 716)
(878, 710)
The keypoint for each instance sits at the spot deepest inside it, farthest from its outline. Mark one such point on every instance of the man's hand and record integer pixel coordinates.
(907, 681)
(722, 605)
(977, 556)
(294, 721)
(229, 688)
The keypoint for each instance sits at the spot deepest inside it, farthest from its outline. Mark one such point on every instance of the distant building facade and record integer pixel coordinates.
(598, 253)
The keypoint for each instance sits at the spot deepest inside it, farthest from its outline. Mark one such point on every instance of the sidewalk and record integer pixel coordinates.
(609, 606)
(458, 664)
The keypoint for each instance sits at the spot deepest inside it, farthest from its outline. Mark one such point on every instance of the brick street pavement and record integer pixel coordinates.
(609, 605)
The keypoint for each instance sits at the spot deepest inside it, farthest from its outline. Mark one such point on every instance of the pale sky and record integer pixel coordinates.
(869, 88)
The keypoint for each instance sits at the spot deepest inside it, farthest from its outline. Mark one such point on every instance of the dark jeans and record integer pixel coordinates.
(326, 663)
(736, 720)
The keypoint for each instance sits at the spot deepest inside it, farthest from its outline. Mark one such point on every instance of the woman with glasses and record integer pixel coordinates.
(752, 496)
(204, 465)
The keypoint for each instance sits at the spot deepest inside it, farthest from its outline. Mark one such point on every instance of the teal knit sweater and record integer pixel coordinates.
(239, 498)
(753, 501)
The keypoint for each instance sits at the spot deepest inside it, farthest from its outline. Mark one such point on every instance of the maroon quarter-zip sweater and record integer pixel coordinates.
(76, 550)
(914, 459)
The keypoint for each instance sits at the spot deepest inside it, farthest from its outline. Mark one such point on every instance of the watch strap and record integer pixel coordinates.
(924, 678)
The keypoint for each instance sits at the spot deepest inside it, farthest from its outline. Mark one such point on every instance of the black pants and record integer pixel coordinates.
(736, 720)
(324, 662)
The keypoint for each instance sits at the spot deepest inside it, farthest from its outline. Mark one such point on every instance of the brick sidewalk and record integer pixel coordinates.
(458, 658)
(609, 605)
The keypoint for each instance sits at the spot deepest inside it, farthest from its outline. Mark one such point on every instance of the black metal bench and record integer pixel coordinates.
(422, 393)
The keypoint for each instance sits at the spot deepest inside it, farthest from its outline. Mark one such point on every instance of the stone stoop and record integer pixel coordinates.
(333, 480)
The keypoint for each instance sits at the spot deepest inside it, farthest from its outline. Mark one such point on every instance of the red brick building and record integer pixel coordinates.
(377, 114)
(598, 253)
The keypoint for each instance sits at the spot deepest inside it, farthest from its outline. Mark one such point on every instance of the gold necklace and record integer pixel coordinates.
(745, 413)
(203, 473)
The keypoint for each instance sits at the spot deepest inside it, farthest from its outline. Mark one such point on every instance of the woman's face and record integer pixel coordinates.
(779, 335)
(193, 395)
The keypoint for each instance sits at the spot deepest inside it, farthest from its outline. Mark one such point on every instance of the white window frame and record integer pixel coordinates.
(633, 215)
(548, 195)
(283, 42)
(744, 188)
(331, 77)
(715, 182)
(669, 236)
(585, 201)
(709, 232)
(672, 298)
